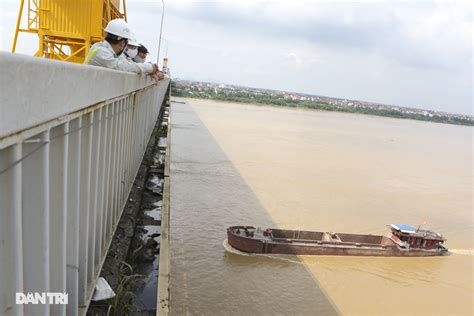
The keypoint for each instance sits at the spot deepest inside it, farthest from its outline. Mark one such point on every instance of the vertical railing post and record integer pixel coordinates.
(58, 211)
(35, 219)
(108, 181)
(102, 184)
(11, 231)
(94, 198)
(85, 205)
(73, 197)
(113, 171)
(120, 160)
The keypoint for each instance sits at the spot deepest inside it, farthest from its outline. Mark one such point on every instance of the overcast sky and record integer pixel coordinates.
(409, 53)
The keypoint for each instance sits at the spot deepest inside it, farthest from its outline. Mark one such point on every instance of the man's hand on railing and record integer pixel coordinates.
(157, 76)
(155, 69)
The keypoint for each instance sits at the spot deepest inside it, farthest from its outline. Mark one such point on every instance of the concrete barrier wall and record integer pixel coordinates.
(35, 90)
(71, 140)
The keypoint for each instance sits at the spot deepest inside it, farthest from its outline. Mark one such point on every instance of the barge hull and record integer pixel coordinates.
(266, 246)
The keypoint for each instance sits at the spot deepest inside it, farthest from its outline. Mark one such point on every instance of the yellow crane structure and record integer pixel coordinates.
(67, 28)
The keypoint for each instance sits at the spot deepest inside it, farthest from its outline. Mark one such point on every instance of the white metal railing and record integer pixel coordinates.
(65, 181)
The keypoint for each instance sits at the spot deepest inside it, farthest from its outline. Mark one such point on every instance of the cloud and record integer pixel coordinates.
(414, 34)
(416, 53)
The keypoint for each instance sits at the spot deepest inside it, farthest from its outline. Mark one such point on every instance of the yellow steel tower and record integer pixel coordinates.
(67, 28)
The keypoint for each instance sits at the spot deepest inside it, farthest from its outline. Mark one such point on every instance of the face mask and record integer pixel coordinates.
(131, 52)
(139, 59)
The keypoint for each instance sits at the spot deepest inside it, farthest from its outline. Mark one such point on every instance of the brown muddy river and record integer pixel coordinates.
(236, 164)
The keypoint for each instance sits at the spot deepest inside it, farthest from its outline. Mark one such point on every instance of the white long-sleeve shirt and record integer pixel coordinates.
(101, 54)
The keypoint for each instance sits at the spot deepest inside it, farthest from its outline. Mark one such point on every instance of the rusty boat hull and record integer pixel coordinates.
(296, 242)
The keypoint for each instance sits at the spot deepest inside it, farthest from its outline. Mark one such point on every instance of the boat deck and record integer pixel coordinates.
(307, 237)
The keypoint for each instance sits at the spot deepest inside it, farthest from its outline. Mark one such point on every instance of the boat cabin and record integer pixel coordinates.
(411, 237)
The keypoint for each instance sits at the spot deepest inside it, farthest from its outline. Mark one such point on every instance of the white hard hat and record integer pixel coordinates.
(120, 28)
(133, 41)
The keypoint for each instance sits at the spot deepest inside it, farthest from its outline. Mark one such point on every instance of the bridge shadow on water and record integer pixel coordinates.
(207, 195)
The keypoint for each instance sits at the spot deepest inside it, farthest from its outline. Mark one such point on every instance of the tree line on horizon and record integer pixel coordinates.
(179, 90)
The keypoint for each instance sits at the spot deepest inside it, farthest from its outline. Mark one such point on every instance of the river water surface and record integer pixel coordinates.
(265, 166)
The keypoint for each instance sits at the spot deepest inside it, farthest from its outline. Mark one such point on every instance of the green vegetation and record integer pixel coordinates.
(180, 90)
(122, 304)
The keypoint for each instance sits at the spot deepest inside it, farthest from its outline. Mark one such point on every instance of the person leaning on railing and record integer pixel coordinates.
(140, 58)
(107, 53)
(131, 52)
(142, 52)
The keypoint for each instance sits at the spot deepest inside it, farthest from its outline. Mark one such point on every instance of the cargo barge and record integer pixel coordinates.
(402, 241)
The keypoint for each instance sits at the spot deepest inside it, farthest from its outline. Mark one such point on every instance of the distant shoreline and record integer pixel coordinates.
(180, 90)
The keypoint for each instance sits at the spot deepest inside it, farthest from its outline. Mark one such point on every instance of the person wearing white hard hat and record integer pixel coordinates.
(107, 53)
(131, 50)
(142, 53)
